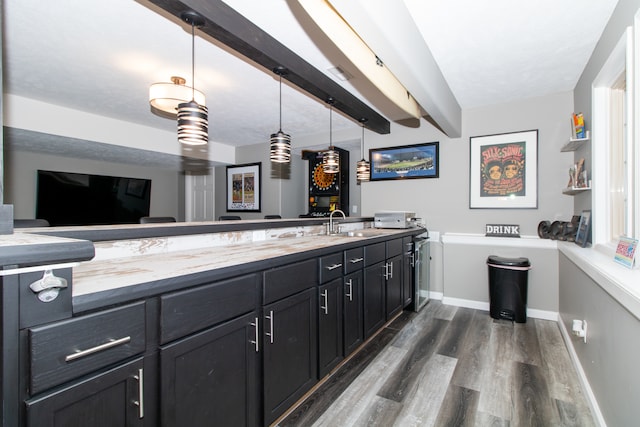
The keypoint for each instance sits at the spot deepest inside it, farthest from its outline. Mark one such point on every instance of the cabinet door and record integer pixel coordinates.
(353, 317)
(211, 377)
(330, 344)
(111, 398)
(394, 286)
(374, 298)
(290, 358)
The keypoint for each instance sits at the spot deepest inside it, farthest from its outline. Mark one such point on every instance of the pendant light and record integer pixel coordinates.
(363, 168)
(330, 158)
(193, 119)
(280, 142)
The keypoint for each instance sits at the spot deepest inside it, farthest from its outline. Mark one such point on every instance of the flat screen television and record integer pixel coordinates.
(66, 198)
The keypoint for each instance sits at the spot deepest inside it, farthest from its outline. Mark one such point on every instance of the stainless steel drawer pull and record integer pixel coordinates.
(356, 260)
(386, 271)
(324, 296)
(140, 402)
(270, 333)
(333, 267)
(96, 349)
(350, 291)
(255, 325)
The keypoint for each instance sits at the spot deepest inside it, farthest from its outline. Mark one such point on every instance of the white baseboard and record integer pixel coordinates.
(436, 295)
(586, 387)
(480, 305)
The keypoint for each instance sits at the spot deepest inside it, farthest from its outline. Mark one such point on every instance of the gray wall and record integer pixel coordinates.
(167, 187)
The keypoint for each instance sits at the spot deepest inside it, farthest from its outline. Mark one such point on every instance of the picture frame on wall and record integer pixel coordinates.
(584, 228)
(244, 187)
(504, 171)
(405, 162)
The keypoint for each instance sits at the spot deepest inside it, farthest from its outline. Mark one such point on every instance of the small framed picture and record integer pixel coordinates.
(244, 187)
(584, 229)
(626, 251)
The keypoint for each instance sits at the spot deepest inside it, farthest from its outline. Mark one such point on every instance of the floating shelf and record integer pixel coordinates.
(575, 143)
(575, 190)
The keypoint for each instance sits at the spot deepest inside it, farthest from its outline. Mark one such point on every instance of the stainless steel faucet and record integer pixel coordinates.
(331, 230)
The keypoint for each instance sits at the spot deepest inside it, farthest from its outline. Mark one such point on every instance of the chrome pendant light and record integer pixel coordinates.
(280, 142)
(193, 118)
(330, 158)
(363, 167)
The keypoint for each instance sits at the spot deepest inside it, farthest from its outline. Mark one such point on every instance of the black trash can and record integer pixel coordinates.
(508, 285)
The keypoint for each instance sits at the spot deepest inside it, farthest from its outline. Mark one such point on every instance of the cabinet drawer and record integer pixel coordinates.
(331, 267)
(191, 310)
(68, 349)
(374, 253)
(287, 280)
(353, 260)
(394, 247)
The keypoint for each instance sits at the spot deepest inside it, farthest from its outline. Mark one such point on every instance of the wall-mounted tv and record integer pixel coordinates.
(66, 198)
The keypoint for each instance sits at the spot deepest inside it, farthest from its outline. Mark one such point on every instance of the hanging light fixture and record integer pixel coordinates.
(363, 168)
(330, 158)
(164, 97)
(193, 118)
(280, 142)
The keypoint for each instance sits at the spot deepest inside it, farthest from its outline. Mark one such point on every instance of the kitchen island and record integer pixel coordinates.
(233, 322)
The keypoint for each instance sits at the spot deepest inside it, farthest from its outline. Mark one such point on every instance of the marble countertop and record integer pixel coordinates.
(109, 274)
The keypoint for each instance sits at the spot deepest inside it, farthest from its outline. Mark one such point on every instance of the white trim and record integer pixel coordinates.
(480, 305)
(436, 295)
(582, 376)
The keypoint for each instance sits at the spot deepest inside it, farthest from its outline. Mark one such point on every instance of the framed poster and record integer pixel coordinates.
(405, 162)
(243, 187)
(584, 227)
(504, 171)
(626, 251)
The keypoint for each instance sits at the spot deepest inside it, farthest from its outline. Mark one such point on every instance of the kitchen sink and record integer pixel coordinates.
(360, 233)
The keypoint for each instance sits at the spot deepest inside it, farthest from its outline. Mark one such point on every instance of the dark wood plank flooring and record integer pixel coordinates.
(450, 366)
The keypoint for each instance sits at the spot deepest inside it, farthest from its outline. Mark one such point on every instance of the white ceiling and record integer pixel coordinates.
(101, 56)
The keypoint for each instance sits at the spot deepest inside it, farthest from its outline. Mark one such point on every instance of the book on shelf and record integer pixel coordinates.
(577, 126)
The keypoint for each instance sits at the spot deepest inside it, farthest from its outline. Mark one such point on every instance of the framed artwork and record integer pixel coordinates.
(584, 227)
(244, 187)
(405, 162)
(504, 171)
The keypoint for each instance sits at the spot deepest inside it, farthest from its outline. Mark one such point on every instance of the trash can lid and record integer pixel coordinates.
(510, 262)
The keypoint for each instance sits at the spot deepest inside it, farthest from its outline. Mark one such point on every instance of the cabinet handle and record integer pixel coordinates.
(96, 349)
(140, 402)
(391, 270)
(386, 271)
(333, 267)
(356, 260)
(270, 333)
(257, 336)
(324, 295)
(413, 259)
(349, 283)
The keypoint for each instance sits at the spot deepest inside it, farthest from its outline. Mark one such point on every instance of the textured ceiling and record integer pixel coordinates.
(101, 57)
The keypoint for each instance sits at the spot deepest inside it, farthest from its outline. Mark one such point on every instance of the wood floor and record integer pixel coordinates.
(450, 366)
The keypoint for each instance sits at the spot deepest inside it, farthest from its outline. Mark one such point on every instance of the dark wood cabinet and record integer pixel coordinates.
(212, 376)
(353, 315)
(330, 326)
(374, 298)
(114, 397)
(393, 279)
(290, 357)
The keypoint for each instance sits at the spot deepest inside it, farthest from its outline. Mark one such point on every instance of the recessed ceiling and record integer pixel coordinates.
(101, 57)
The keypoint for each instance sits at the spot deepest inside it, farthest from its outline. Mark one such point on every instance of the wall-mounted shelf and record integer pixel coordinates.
(575, 143)
(575, 190)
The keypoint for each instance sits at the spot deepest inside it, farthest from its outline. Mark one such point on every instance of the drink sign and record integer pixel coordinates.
(502, 230)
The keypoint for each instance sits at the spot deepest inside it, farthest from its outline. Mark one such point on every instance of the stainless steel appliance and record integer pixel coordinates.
(421, 261)
(394, 219)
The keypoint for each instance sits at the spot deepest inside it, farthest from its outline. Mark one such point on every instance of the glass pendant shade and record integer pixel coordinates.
(280, 147)
(363, 167)
(280, 142)
(330, 158)
(193, 124)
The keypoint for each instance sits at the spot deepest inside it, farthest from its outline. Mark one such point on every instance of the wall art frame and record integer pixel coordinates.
(244, 187)
(503, 172)
(405, 162)
(584, 229)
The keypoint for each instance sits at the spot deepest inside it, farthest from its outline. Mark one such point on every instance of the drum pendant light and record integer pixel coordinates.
(330, 158)
(363, 168)
(280, 142)
(193, 118)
